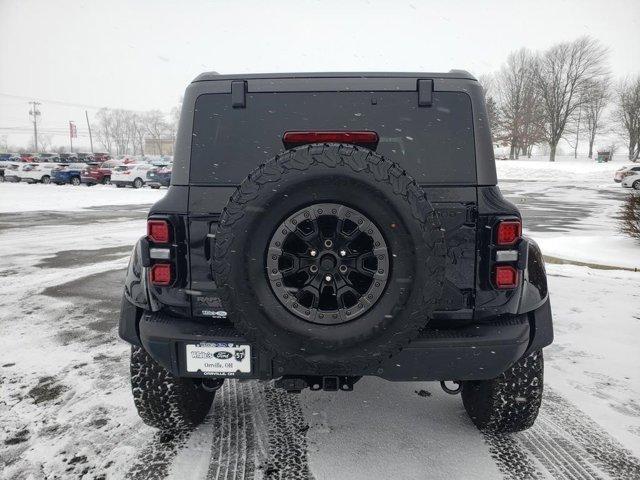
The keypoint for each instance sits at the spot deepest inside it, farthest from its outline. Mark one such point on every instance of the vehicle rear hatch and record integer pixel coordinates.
(426, 125)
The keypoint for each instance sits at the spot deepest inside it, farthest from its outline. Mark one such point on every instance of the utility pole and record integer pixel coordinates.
(35, 113)
(86, 114)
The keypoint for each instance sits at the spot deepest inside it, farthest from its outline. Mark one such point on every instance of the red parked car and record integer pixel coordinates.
(95, 173)
(101, 157)
(27, 157)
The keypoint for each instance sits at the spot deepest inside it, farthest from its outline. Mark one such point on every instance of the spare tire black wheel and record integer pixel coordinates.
(329, 256)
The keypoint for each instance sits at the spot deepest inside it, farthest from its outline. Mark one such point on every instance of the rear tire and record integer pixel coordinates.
(163, 401)
(75, 181)
(509, 403)
(636, 185)
(138, 183)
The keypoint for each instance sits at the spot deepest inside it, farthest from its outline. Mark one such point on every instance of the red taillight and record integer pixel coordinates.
(363, 138)
(158, 231)
(509, 232)
(506, 277)
(161, 274)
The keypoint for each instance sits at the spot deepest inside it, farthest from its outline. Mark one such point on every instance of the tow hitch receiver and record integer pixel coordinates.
(452, 391)
(327, 383)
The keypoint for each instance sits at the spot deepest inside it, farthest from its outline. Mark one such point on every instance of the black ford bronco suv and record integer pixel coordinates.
(324, 227)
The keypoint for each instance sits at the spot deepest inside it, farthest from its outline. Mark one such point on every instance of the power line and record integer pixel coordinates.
(71, 104)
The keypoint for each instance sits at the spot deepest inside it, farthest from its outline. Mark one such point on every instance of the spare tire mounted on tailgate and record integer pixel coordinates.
(331, 256)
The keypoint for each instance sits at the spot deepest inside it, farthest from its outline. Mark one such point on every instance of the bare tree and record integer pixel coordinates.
(103, 129)
(628, 114)
(122, 131)
(487, 81)
(520, 111)
(531, 131)
(562, 75)
(597, 97)
(511, 80)
(157, 128)
(138, 130)
(44, 143)
(174, 118)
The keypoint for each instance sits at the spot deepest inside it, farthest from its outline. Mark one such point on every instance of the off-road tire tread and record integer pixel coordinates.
(510, 402)
(364, 162)
(163, 401)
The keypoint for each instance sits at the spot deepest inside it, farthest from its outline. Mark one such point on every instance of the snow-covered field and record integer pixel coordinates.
(66, 410)
(23, 197)
(575, 204)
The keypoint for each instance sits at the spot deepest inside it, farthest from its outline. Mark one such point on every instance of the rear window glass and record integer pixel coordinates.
(434, 144)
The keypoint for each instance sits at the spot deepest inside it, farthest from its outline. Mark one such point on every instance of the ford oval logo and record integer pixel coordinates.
(223, 355)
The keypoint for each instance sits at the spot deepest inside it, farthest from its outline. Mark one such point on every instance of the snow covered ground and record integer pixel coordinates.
(66, 410)
(23, 197)
(574, 205)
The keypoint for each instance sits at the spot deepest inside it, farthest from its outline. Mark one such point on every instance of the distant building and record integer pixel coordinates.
(158, 147)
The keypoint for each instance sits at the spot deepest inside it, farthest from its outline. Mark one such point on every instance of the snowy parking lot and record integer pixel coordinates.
(67, 410)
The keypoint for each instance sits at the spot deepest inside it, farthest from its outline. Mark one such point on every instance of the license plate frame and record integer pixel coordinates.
(220, 359)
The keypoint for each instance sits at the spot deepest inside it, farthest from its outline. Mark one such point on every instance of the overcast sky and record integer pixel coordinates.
(141, 55)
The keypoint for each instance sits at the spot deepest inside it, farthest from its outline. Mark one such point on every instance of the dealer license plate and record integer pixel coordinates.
(219, 358)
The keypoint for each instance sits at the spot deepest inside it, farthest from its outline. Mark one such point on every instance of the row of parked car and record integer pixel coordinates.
(56, 157)
(628, 176)
(121, 172)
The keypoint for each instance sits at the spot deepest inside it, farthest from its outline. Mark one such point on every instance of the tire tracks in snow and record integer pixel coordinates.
(233, 452)
(512, 460)
(565, 444)
(154, 460)
(258, 432)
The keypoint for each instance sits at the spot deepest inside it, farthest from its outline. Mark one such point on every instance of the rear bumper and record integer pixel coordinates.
(475, 352)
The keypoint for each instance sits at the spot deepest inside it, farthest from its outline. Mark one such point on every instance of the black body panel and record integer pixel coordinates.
(229, 142)
(455, 81)
(469, 353)
(457, 210)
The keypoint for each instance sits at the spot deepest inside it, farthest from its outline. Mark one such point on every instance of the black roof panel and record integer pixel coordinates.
(457, 74)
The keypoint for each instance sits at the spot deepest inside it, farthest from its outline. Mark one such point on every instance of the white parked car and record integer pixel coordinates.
(13, 171)
(632, 181)
(133, 174)
(37, 172)
(625, 171)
